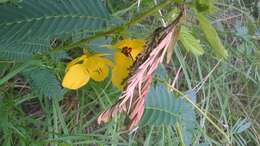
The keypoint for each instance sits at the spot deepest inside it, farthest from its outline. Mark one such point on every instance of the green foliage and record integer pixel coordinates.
(10, 1)
(238, 128)
(3, 1)
(22, 50)
(17, 69)
(164, 108)
(212, 36)
(188, 120)
(29, 27)
(44, 83)
(241, 125)
(161, 107)
(13, 123)
(204, 5)
(5, 106)
(228, 92)
(117, 5)
(190, 43)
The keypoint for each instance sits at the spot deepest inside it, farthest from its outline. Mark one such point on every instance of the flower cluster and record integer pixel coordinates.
(96, 66)
(86, 67)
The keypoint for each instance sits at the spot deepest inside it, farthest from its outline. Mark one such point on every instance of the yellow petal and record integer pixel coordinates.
(98, 67)
(121, 70)
(121, 59)
(97, 54)
(137, 45)
(135, 52)
(76, 77)
(77, 60)
(133, 43)
(100, 74)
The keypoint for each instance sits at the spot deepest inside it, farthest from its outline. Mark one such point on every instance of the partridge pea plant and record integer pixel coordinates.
(117, 64)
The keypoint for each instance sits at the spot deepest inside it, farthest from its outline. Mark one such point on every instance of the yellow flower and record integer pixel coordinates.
(136, 46)
(76, 77)
(81, 69)
(126, 54)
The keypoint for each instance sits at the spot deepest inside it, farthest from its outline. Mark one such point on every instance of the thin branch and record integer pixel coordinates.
(117, 29)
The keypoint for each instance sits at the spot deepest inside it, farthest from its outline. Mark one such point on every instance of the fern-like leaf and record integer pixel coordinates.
(164, 108)
(45, 20)
(48, 18)
(44, 83)
(22, 50)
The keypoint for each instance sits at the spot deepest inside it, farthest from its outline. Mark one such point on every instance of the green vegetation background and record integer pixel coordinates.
(221, 100)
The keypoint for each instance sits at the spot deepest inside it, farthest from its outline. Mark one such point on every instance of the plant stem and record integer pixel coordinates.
(119, 28)
(179, 133)
(202, 112)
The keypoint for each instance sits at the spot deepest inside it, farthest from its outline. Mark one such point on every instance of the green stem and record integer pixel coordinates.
(202, 112)
(148, 13)
(205, 114)
(179, 133)
(119, 28)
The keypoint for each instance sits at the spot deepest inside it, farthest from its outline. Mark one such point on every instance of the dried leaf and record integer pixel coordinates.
(132, 99)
